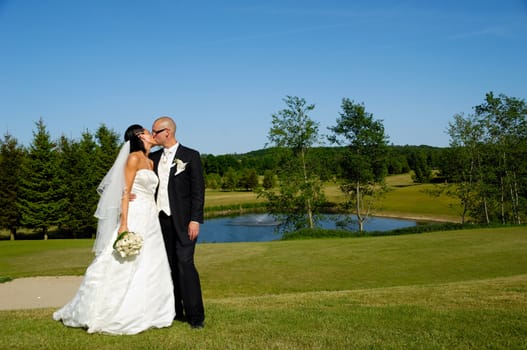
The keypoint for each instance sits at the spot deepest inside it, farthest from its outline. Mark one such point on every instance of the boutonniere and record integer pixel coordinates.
(180, 165)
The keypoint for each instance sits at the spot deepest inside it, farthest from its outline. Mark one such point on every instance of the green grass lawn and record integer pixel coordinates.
(415, 202)
(443, 290)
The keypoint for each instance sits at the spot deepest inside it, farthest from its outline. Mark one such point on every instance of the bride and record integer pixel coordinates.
(125, 295)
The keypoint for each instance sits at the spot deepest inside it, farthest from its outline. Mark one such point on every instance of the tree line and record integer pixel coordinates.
(51, 183)
(239, 171)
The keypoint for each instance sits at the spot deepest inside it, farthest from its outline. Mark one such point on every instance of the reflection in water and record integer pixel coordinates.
(261, 227)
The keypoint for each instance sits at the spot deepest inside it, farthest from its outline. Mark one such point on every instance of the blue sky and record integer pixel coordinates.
(222, 68)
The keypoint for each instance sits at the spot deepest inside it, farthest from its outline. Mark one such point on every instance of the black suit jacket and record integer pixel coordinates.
(186, 190)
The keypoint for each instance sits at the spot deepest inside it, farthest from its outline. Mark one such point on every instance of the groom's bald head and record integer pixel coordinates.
(166, 122)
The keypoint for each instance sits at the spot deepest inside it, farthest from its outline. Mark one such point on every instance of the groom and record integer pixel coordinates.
(180, 200)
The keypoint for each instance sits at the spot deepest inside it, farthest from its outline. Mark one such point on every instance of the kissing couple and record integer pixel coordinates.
(159, 196)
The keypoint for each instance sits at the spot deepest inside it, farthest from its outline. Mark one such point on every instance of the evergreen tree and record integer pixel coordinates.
(81, 184)
(108, 145)
(42, 202)
(11, 156)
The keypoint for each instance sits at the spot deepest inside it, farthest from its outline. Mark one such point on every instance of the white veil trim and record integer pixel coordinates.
(109, 207)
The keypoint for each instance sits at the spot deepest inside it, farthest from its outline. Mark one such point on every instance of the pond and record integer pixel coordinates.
(261, 227)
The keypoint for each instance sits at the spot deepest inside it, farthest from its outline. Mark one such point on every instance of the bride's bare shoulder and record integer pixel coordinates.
(134, 161)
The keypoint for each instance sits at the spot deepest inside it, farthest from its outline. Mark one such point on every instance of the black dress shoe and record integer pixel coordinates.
(180, 318)
(196, 325)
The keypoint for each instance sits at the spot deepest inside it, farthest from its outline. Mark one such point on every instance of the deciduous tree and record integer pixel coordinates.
(364, 163)
(299, 196)
(487, 162)
(505, 119)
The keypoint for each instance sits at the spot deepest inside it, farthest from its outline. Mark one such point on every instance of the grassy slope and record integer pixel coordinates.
(465, 289)
(487, 314)
(332, 264)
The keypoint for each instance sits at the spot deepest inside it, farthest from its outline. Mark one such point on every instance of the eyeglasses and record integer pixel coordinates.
(155, 132)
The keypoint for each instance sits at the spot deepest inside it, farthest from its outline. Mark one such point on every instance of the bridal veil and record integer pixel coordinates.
(109, 207)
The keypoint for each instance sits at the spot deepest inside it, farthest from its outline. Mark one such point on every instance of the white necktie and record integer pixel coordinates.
(165, 156)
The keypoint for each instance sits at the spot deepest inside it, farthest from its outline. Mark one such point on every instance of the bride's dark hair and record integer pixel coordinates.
(132, 134)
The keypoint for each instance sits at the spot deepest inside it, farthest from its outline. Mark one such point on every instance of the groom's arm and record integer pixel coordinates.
(197, 188)
(197, 193)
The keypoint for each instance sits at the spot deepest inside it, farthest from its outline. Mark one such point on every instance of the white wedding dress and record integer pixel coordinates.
(127, 295)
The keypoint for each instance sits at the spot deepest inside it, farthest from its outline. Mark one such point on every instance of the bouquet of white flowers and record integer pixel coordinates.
(128, 244)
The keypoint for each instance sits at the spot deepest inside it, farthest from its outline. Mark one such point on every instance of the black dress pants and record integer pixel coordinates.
(185, 277)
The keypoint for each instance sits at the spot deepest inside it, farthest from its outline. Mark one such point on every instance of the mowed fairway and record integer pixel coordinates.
(442, 290)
